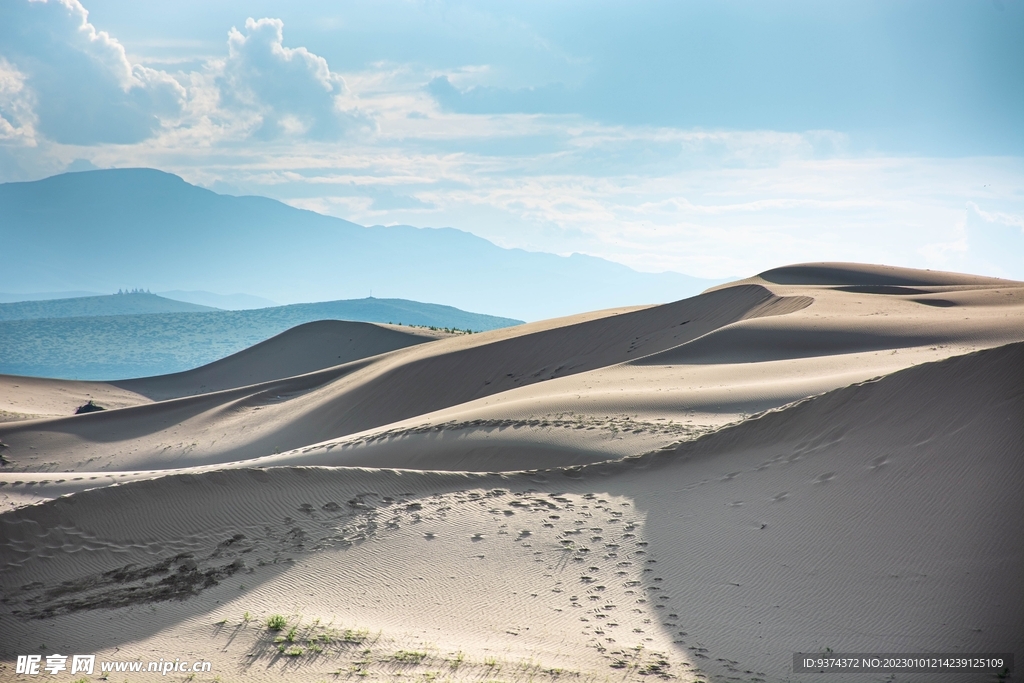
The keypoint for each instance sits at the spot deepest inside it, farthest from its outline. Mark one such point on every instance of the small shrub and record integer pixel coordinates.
(410, 656)
(350, 636)
(658, 667)
(276, 622)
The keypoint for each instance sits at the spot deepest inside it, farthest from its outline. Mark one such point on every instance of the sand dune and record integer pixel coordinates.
(26, 398)
(291, 413)
(839, 274)
(300, 350)
(818, 457)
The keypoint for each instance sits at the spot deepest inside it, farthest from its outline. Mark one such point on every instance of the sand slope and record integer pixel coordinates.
(302, 349)
(291, 413)
(837, 522)
(692, 491)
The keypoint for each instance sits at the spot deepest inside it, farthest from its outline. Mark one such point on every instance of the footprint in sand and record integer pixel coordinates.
(781, 497)
(477, 537)
(828, 476)
(879, 463)
(430, 536)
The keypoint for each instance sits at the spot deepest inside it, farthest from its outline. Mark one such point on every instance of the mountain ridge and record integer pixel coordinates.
(95, 230)
(132, 303)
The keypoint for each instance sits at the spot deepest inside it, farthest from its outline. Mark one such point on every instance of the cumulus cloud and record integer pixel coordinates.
(84, 89)
(64, 80)
(291, 91)
(17, 115)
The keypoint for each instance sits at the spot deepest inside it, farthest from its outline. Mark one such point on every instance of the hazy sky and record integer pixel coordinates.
(713, 139)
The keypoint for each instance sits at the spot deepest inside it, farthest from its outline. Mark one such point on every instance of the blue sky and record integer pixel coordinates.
(714, 139)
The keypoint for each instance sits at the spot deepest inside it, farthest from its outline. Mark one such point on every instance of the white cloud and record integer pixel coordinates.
(85, 90)
(995, 241)
(64, 80)
(17, 104)
(291, 91)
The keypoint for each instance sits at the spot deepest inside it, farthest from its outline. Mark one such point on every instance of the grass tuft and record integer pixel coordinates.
(410, 656)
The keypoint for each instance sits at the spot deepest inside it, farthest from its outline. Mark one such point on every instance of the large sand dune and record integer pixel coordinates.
(302, 349)
(824, 456)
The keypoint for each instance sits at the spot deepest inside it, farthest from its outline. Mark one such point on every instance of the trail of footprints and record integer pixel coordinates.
(612, 424)
(592, 548)
(594, 554)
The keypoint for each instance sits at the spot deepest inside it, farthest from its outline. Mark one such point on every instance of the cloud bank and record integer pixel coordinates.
(63, 79)
(77, 80)
(524, 129)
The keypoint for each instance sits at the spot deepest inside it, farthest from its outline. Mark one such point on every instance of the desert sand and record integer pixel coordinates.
(821, 457)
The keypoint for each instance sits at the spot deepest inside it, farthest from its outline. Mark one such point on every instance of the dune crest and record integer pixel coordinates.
(858, 274)
(302, 349)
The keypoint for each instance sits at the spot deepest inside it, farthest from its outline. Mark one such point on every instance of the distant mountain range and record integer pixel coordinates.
(9, 297)
(226, 302)
(153, 343)
(105, 230)
(115, 304)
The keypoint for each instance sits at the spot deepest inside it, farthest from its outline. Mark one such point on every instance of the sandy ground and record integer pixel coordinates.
(825, 457)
